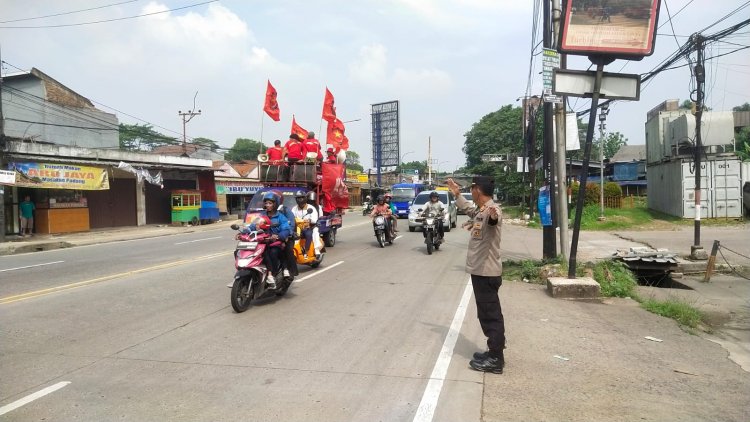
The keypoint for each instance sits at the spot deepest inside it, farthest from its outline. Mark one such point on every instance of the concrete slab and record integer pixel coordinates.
(578, 288)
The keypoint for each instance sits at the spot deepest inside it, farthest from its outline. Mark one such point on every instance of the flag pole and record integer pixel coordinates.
(320, 129)
(261, 127)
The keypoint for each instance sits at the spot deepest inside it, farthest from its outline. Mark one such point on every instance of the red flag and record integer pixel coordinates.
(336, 135)
(329, 110)
(271, 107)
(299, 130)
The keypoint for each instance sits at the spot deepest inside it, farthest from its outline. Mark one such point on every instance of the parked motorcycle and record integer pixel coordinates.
(383, 232)
(251, 276)
(429, 230)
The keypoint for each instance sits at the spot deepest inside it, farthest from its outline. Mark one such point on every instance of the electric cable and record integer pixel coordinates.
(69, 13)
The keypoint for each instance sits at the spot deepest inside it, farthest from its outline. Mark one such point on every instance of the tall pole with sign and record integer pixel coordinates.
(604, 35)
(552, 60)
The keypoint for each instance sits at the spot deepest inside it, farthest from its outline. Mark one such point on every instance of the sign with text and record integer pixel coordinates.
(7, 177)
(617, 28)
(550, 62)
(580, 83)
(239, 187)
(60, 176)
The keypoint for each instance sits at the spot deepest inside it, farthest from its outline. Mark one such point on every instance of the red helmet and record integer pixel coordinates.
(262, 222)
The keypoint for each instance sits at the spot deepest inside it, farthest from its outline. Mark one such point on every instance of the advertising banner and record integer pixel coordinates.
(60, 176)
(237, 187)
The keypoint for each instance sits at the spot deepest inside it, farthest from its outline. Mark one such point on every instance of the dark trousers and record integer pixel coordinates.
(291, 260)
(271, 258)
(489, 312)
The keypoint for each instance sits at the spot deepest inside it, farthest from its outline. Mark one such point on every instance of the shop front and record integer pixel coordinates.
(234, 194)
(59, 192)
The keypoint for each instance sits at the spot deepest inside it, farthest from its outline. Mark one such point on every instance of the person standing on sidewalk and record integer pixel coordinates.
(27, 215)
(484, 264)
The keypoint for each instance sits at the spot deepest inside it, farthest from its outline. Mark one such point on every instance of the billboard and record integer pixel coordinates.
(385, 134)
(619, 28)
(60, 176)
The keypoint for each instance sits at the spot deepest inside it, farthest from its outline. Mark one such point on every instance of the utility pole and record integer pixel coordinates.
(562, 187)
(429, 159)
(2, 155)
(602, 128)
(548, 232)
(696, 251)
(186, 117)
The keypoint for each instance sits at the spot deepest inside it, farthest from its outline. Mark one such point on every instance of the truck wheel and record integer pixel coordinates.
(412, 228)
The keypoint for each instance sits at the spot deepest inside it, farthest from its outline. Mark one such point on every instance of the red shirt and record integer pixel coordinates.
(294, 149)
(312, 145)
(275, 154)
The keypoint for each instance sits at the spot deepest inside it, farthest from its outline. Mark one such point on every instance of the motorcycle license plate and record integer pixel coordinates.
(247, 245)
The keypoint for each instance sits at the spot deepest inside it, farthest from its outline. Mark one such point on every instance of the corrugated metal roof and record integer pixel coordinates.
(46, 158)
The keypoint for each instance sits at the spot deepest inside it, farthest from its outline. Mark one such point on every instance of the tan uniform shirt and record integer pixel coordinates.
(483, 254)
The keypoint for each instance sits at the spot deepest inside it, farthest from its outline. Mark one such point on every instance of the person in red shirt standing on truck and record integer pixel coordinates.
(293, 149)
(276, 152)
(312, 146)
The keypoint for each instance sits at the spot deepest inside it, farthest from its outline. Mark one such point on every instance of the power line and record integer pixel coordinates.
(68, 13)
(109, 20)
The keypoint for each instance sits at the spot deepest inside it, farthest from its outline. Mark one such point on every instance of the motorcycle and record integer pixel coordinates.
(383, 232)
(429, 230)
(366, 208)
(250, 280)
(310, 258)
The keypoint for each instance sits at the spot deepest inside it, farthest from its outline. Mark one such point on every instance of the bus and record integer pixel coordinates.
(403, 194)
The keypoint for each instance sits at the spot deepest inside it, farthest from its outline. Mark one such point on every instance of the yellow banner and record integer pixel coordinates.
(60, 176)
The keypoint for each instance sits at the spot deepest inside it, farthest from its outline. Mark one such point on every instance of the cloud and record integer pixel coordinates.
(371, 70)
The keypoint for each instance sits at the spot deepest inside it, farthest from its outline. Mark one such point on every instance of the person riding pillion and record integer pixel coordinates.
(383, 209)
(435, 206)
(309, 214)
(394, 211)
(279, 230)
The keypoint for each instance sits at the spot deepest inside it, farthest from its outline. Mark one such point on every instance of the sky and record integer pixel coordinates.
(448, 63)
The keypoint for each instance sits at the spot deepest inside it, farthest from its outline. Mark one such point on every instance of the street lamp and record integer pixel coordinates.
(404, 155)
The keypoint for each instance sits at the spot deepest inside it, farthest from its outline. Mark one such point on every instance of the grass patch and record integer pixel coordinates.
(620, 218)
(679, 311)
(615, 279)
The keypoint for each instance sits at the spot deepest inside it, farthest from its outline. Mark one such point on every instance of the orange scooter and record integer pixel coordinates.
(310, 259)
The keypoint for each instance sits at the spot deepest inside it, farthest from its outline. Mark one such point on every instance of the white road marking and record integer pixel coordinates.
(31, 397)
(322, 270)
(427, 406)
(197, 240)
(32, 266)
(354, 225)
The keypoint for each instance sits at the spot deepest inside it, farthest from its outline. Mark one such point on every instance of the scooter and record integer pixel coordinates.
(366, 208)
(310, 259)
(250, 280)
(429, 230)
(383, 232)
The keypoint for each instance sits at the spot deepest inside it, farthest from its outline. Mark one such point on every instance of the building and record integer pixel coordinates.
(671, 165)
(66, 158)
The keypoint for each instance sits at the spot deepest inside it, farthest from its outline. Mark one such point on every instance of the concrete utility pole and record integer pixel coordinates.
(2, 155)
(602, 127)
(549, 250)
(696, 250)
(562, 187)
(429, 160)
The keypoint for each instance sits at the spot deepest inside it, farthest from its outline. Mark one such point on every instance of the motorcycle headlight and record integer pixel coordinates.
(429, 221)
(379, 220)
(244, 262)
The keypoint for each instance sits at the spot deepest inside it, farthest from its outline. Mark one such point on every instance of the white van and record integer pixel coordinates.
(446, 197)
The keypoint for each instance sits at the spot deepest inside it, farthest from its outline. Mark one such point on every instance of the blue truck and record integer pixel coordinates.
(403, 194)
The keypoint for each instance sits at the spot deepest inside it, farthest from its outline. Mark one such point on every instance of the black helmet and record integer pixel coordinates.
(299, 194)
(434, 194)
(381, 199)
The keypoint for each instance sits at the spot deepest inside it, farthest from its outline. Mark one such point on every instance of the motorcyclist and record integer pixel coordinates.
(381, 207)
(290, 267)
(279, 233)
(438, 209)
(394, 211)
(301, 211)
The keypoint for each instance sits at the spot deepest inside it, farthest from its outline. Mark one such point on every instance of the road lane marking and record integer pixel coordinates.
(37, 293)
(31, 266)
(354, 225)
(322, 270)
(426, 410)
(31, 397)
(198, 240)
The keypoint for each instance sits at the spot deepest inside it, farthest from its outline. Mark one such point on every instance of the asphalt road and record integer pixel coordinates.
(143, 330)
